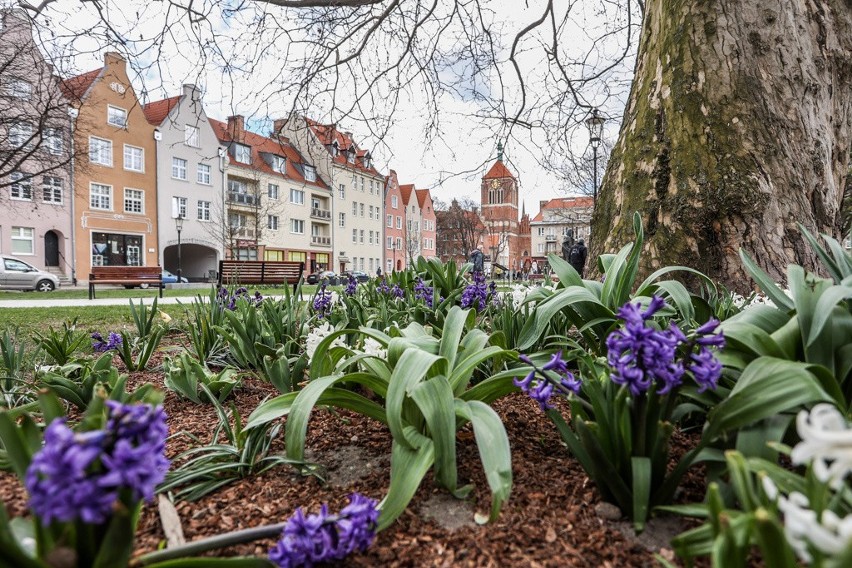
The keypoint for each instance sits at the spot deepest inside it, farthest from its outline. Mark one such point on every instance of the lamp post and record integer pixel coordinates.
(179, 227)
(595, 124)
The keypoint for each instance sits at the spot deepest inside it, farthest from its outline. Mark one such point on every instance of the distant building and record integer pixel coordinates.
(394, 235)
(557, 219)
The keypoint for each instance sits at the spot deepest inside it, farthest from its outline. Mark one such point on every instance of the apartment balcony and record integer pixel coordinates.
(550, 238)
(247, 199)
(321, 214)
(243, 232)
(320, 241)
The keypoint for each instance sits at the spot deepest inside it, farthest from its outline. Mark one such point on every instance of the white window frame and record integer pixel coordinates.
(123, 113)
(49, 184)
(310, 173)
(141, 168)
(100, 196)
(178, 168)
(341, 219)
(140, 199)
(273, 191)
(272, 222)
(279, 164)
(394, 201)
(203, 174)
(361, 236)
(389, 222)
(20, 134)
(24, 186)
(203, 210)
(12, 88)
(192, 136)
(297, 196)
(389, 243)
(53, 140)
(19, 235)
(178, 207)
(297, 226)
(398, 222)
(354, 235)
(102, 148)
(242, 151)
(361, 209)
(342, 191)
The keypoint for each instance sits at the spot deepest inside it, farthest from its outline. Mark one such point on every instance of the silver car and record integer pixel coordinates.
(15, 274)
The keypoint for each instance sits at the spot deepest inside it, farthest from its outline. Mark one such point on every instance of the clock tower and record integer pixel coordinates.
(499, 197)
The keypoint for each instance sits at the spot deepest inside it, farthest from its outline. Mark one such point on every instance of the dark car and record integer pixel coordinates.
(356, 274)
(328, 276)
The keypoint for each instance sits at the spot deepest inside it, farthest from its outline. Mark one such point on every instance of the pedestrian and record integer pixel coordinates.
(379, 272)
(577, 257)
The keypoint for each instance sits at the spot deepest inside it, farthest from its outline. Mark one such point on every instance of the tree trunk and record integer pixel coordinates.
(737, 128)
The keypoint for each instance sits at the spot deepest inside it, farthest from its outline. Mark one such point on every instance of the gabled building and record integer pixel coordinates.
(115, 187)
(358, 189)
(428, 227)
(394, 235)
(277, 205)
(36, 193)
(557, 219)
(190, 186)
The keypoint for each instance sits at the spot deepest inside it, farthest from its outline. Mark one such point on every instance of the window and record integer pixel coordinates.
(371, 211)
(389, 265)
(350, 156)
(279, 164)
(246, 254)
(53, 140)
(117, 116)
(394, 201)
(20, 134)
(100, 151)
(242, 153)
(540, 247)
(361, 235)
(362, 209)
(18, 88)
(178, 207)
(310, 173)
(341, 219)
(178, 168)
(22, 186)
(354, 209)
(398, 222)
(23, 240)
(133, 200)
(342, 191)
(272, 222)
(192, 136)
(116, 249)
(399, 243)
(134, 158)
(354, 182)
(203, 174)
(362, 186)
(296, 256)
(52, 190)
(203, 210)
(237, 186)
(297, 196)
(390, 243)
(410, 225)
(371, 261)
(390, 221)
(100, 196)
(297, 226)
(354, 235)
(371, 190)
(272, 191)
(371, 237)
(237, 220)
(362, 264)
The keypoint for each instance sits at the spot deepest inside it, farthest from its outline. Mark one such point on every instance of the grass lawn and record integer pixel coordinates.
(94, 318)
(82, 293)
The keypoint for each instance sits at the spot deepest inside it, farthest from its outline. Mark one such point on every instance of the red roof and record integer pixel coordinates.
(422, 194)
(563, 203)
(406, 190)
(157, 111)
(75, 87)
(329, 134)
(263, 144)
(498, 171)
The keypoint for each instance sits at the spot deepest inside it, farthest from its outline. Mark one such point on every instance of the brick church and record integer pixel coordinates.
(507, 238)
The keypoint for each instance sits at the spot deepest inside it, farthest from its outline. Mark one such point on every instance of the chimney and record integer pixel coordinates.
(237, 127)
(191, 92)
(541, 204)
(278, 126)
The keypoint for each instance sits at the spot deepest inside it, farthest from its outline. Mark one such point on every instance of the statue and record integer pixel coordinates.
(478, 260)
(567, 243)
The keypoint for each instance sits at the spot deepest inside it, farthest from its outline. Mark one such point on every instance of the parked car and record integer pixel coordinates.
(168, 278)
(328, 275)
(15, 274)
(356, 274)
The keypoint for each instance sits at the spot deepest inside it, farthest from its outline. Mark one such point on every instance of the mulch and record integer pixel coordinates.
(554, 516)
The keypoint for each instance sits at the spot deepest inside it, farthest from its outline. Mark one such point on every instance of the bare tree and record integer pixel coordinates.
(460, 230)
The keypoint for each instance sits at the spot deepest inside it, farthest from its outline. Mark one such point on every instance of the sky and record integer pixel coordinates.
(240, 60)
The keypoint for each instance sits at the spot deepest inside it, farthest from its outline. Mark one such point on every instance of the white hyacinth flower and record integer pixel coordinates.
(830, 534)
(827, 442)
(374, 348)
(519, 294)
(316, 335)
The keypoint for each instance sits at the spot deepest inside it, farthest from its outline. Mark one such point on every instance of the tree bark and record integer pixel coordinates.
(737, 128)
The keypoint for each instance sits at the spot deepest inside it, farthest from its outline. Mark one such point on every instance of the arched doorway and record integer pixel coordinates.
(51, 249)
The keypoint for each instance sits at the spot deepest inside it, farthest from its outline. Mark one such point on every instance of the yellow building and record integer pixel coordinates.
(115, 187)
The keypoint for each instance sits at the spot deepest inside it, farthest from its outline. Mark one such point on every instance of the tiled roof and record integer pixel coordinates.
(563, 203)
(498, 171)
(75, 87)
(406, 190)
(157, 111)
(422, 194)
(328, 134)
(263, 144)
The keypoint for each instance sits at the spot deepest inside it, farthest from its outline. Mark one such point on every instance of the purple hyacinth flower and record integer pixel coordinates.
(706, 369)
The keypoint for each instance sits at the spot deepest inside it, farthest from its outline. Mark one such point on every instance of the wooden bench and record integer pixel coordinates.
(260, 272)
(125, 276)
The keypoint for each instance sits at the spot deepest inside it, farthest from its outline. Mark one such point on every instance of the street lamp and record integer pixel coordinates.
(595, 124)
(179, 227)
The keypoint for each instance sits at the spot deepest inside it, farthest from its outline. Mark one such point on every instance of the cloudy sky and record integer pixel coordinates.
(246, 56)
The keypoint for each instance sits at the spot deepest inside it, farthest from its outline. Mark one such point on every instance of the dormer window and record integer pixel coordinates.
(279, 164)
(310, 173)
(350, 156)
(242, 153)
(335, 149)
(367, 161)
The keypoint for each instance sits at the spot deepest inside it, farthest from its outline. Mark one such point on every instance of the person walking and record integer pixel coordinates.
(577, 257)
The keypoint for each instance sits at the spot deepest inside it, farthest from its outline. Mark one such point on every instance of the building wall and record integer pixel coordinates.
(33, 218)
(201, 236)
(138, 243)
(395, 258)
(428, 227)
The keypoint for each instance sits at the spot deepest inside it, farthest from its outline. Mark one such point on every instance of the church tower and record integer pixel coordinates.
(499, 199)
